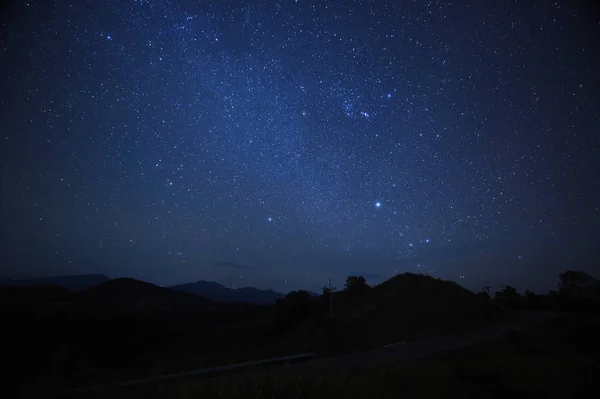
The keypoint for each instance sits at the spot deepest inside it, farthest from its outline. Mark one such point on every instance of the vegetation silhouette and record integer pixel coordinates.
(125, 328)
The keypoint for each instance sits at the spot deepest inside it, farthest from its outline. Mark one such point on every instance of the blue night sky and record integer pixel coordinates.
(278, 143)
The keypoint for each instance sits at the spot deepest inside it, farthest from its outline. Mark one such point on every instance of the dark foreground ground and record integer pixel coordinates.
(550, 357)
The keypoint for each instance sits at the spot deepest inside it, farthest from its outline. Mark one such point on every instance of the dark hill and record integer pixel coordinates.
(139, 295)
(410, 306)
(15, 298)
(73, 283)
(427, 300)
(219, 293)
(403, 308)
(425, 289)
(40, 292)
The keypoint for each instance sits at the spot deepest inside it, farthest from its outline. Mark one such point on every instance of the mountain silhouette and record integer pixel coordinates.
(207, 289)
(217, 292)
(132, 293)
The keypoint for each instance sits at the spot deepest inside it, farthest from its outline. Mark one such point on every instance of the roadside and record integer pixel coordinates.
(549, 357)
(420, 348)
(381, 357)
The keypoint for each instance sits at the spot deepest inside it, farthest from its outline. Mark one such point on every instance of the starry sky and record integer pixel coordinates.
(276, 144)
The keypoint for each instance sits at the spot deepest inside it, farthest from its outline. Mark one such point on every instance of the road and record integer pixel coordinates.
(389, 354)
(417, 349)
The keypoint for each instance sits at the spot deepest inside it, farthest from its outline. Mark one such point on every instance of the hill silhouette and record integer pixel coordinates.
(207, 289)
(421, 305)
(440, 298)
(129, 293)
(217, 292)
(73, 283)
(124, 328)
(403, 308)
(18, 299)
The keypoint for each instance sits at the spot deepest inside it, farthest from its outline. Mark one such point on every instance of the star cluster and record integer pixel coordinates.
(173, 140)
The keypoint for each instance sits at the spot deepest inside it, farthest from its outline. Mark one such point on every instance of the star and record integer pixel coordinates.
(253, 120)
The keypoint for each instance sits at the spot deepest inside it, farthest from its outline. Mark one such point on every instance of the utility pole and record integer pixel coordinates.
(2, 225)
(330, 299)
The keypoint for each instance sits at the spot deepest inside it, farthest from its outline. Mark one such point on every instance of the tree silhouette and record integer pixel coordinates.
(509, 296)
(296, 306)
(485, 292)
(577, 284)
(355, 284)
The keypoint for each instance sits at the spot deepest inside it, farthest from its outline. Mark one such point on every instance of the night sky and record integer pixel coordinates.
(278, 143)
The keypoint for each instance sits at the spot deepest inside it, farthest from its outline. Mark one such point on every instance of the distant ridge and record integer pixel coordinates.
(129, 292)
(73, 283)
(206, 289)
(217, 292)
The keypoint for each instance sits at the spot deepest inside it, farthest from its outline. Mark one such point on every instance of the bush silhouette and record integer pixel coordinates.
(295, 307)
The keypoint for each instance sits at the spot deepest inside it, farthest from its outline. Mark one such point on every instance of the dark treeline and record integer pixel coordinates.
(126, 329)
(576, 291)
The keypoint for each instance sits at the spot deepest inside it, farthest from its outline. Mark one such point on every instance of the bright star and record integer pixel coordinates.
(270, 219)
(378, 204)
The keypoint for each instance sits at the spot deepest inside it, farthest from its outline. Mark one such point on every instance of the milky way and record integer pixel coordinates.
(279, 143)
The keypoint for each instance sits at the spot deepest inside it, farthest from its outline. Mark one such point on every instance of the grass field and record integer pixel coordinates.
(557, 359)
